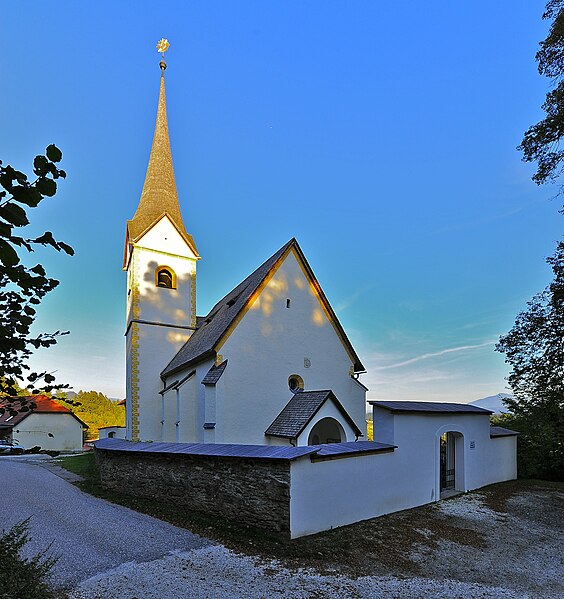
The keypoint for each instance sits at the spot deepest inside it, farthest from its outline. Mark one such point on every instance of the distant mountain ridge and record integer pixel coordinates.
(494, 403)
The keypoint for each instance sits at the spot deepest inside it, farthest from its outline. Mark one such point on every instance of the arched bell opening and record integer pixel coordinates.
(165, 277)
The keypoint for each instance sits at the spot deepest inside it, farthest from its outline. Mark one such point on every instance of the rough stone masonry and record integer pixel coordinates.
(246, 490)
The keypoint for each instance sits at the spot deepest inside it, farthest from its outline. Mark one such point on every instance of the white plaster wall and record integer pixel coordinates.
(504, 467)
(268, 345)
(157, 346)
(35, 429)
(192, 406)
(119, 432)
(160, 246)
(332, 493)
(483, 464)
(165, 238)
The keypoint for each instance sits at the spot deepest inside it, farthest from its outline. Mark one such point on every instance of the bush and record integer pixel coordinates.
(23, 578)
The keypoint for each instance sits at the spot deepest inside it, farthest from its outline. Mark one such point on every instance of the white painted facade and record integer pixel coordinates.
(112, 432)
(159, 321)
(286, 331)
(57, 431)
(331, 493)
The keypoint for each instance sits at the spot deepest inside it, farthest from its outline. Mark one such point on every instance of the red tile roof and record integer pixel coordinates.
(43, 405)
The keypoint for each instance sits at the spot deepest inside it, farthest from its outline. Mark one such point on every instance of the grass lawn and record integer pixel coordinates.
(382, 546)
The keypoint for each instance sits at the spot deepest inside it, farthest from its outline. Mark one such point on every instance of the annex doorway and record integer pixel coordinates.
(451, 464)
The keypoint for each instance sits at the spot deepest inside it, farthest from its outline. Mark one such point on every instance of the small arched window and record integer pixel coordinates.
(295, 383)
(165, 277)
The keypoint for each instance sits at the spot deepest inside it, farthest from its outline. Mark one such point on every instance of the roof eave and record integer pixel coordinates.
(193, 362)
(187, 239)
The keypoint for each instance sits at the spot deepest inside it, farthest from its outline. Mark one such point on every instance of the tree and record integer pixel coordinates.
(541, 143)
(23, 287)
(95, 409)
(535, 350)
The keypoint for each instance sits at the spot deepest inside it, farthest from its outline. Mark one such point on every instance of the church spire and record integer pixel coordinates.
(159, 195)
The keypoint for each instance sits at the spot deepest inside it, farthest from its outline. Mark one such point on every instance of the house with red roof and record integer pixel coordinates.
(41, 421)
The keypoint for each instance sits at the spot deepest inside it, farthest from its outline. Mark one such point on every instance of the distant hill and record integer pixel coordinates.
(95, 409)
(493, 403)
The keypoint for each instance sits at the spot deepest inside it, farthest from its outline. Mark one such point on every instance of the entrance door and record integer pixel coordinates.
(448, 466)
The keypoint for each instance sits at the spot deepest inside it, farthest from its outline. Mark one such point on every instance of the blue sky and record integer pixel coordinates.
(381, 135)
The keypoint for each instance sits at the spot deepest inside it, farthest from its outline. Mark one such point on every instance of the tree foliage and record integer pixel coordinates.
(23, 287)
(535, 350)
(96, 410)
(541, 143)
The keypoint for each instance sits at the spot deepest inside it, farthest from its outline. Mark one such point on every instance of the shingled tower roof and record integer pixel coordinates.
(159, 195)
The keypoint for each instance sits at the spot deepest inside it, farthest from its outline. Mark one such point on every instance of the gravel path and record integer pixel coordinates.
(90, 535)
(214, 571)
(108, 551)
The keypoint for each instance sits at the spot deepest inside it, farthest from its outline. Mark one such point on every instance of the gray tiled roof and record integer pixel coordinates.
(430, 407)
(300, 410)
(204, 340)
(499, 431)
(214, 373)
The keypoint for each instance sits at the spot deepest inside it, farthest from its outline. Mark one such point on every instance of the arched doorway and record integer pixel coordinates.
(451, 463)
(327, 430)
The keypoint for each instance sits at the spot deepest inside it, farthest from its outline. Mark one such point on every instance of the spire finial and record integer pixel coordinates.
(162, 46)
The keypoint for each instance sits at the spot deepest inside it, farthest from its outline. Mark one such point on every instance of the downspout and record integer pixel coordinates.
(177, 423)
(162, 417)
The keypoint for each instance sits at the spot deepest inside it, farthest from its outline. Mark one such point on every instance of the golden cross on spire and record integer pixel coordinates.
(162, 46)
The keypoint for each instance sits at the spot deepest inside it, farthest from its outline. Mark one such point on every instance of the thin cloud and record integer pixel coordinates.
(435, 355)
(351, 299)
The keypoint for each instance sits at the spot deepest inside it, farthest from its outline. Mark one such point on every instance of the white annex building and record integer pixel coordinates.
(266, 388)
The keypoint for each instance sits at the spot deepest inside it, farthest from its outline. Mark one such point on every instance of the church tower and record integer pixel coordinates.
(160, 260)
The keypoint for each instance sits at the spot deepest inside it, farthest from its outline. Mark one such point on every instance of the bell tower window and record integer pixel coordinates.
(165, 277)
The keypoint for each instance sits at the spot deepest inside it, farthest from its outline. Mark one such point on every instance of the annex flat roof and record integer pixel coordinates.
(429, 407)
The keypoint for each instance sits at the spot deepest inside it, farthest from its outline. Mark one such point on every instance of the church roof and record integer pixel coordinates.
(203, 342)
(159, 195)
(214, 374)
(299, 411)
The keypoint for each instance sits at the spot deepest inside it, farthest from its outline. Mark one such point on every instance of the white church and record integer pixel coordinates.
(266, 387)
(270, 363)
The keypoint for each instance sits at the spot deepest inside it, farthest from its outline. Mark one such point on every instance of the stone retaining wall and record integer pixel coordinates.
(245, 490)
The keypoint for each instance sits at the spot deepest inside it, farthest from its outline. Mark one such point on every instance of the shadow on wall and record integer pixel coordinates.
(169, 302)
(280, 290)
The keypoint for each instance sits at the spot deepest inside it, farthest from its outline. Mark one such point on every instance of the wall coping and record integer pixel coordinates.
(229, 450)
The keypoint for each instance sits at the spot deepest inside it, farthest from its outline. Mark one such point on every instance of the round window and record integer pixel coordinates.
(295, 383)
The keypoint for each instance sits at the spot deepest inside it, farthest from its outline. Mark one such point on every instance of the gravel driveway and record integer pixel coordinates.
(90, 535)
(469, 546)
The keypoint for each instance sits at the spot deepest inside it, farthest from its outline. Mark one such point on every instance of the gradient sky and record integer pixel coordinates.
(381, 134)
